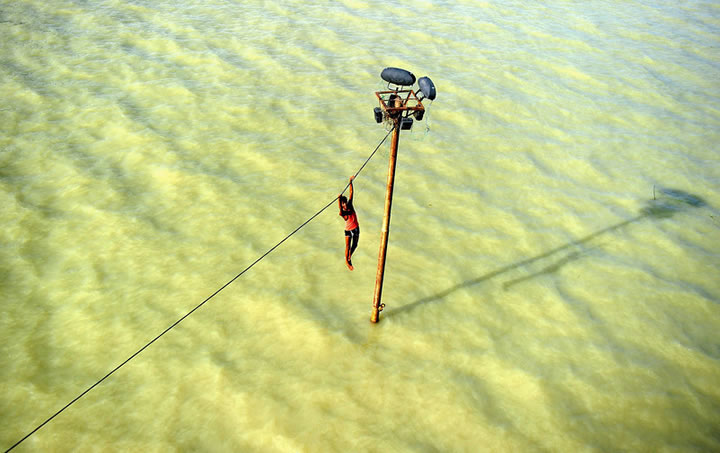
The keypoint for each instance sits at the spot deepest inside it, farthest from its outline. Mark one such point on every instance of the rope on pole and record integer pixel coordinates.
(197, 306)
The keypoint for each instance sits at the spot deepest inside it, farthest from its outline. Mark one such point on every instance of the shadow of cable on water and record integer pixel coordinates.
(670, 202)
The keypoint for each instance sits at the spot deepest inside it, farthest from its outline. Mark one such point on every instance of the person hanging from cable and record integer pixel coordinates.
(352, 227)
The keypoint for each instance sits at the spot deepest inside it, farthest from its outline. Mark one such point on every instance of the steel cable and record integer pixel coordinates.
(199, 305)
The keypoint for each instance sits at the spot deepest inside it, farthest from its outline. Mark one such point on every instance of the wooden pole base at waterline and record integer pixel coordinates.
(377, 304)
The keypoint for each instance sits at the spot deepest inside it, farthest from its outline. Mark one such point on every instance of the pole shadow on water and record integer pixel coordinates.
(671, 201)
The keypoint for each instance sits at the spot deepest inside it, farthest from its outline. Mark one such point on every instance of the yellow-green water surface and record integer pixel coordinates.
(553, 273)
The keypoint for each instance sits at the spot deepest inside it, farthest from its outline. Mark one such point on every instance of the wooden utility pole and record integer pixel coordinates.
(398, 107)
(377, 305)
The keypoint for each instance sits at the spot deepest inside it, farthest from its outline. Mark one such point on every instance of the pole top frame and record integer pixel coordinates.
(399, 103)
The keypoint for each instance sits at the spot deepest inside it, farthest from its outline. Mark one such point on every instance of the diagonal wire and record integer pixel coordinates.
(197, 306)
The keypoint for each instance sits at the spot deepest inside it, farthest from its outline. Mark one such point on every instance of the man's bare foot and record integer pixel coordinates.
(348, 263)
